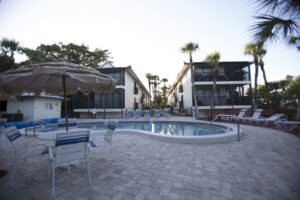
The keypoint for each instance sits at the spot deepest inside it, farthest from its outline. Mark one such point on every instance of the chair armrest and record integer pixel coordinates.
(50, 153)
(90, 147)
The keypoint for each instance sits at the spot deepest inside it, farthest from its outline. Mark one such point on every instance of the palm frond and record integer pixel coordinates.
(213, 58)
(295, 40)
(282, 7)
(272, 28)
(190, 47)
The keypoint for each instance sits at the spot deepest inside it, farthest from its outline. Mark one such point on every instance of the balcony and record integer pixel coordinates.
(224, 101)
(236, 76)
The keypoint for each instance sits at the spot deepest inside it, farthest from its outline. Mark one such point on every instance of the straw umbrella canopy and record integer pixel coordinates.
(55, 78)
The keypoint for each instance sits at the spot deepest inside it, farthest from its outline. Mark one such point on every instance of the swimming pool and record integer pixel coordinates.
(174, 130)
(162, 127)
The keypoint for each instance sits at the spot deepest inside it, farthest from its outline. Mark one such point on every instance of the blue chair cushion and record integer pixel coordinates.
(72, 139)
(112, 127)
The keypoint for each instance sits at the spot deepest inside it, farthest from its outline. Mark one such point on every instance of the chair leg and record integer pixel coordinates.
(3, 140)
(13, 172)
(89, 172)
(53, 181)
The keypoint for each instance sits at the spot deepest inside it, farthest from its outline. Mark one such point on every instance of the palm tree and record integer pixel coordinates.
(256, 51)
(294, 92)
(149, 77)
(213, 59)
(164, 89)
(261, 64)
(283, 26)
(190, 48)
(9, 47)
(155, 82)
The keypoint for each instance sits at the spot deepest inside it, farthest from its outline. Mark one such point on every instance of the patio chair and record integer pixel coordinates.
(167, 112)
(268, 120)
(156, 113)
(2, 125)
(255, 116)
(69, 148)
(107, 137)
(137, 113)
(128, 114)
(146, 113)
(22, 149)
(72, 122)
(291, 125)
(238, 117)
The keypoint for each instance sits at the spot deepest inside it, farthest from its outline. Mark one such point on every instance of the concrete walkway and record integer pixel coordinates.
(264, 165)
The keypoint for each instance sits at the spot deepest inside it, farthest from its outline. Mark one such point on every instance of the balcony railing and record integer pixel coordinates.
(238, 76)
(224, 101)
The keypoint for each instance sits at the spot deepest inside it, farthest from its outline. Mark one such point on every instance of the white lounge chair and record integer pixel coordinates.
(70, 147)
(167, 112)
(268, 120)
(238, 117)
(255, 116)
(146, 113)
(137, 113)
(156, 113)
(290, 124)
(128, 114)
(23, 149)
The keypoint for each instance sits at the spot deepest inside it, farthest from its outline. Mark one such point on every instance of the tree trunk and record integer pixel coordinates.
(264, 74)
(261, 63)
(255, 82)
(149, 84)
(193, 86)
(298, 110)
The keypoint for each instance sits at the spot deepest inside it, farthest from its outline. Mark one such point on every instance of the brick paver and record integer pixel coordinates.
(264, 165)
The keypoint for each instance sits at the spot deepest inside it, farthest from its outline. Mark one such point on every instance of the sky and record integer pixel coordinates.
(146, 34)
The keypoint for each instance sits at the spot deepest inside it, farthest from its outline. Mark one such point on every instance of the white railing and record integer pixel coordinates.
(36, 124)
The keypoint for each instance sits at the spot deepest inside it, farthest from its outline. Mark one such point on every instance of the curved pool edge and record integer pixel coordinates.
(229, 136)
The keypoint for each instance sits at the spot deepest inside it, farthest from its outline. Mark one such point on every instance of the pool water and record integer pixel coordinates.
(163, 127)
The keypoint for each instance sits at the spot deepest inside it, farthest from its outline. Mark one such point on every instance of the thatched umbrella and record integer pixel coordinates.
(55, 78)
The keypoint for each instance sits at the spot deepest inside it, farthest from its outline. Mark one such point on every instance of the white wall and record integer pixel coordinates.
(35, 108)
(24, 105)
(187, 90)
(46, 108)
(129, 91)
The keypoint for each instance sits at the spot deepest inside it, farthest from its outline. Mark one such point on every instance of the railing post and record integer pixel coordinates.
(238, 131)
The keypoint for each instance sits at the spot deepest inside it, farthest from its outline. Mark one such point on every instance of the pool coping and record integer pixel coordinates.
(228, 137)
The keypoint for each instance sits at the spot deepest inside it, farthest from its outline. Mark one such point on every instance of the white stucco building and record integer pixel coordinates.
(130, 93)
(232, 83)
(36, 107)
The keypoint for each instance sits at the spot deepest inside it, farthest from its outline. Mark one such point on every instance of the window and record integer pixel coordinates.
(136, 89)
(180, 88)
(48, 106)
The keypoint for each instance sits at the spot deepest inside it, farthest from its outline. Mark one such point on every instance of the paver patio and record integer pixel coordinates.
(264, 165)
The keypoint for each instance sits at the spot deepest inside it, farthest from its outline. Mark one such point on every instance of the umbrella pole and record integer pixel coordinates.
(65, 101)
